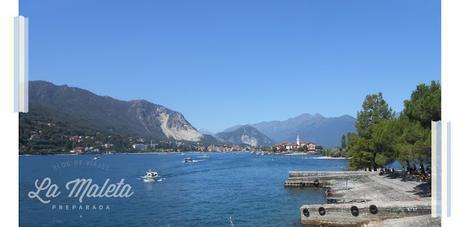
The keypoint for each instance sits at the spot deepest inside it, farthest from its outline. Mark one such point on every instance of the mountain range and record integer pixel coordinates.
(80, 109)
(109, 115)
(325, 131)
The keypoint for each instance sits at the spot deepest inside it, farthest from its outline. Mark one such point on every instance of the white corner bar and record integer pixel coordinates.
(21, 64)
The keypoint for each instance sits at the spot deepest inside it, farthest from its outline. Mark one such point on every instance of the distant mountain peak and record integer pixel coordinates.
(318, 115)
(346, 116)
(245, 134)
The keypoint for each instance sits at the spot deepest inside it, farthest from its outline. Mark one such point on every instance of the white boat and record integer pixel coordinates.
(150, 176)
(188, 159)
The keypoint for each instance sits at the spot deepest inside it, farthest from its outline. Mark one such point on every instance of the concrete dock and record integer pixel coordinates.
(359, 198)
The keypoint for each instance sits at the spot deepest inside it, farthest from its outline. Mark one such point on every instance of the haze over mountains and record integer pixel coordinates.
(80, 108)
(245, 134)
(313, 128)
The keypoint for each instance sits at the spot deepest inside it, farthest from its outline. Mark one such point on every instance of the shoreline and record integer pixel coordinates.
(131, 153)
(330, 158)
(315, 156)
(298, 154)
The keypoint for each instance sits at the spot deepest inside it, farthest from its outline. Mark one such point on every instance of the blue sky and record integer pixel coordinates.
(229, 62)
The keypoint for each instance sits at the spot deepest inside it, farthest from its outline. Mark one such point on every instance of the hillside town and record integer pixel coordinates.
(140, 145)
(297, 146)
(49, 137)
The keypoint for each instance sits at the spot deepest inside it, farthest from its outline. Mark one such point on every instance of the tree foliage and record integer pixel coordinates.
(424, 104)
(375, 109)
(343, 141)
(381, 138)
(366, 148)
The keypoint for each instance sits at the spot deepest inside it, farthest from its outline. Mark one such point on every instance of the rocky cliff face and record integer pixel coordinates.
(245, 134)
(173, 125)
(138, 117)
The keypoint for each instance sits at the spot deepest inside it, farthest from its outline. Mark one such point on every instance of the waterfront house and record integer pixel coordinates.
(78, 150)
(139, 146)
(311, 147)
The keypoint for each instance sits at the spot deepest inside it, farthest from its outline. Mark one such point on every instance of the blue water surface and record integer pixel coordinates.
(248, 188)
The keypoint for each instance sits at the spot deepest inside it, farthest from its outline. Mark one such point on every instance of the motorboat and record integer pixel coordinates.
(150, 176)
(187, 160)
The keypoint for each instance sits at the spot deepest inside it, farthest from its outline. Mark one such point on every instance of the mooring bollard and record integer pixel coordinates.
(373, 209)
(306, 213)
(354, 211)
(322, 211)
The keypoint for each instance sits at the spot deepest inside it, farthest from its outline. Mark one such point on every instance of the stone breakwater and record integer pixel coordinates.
(358, 198)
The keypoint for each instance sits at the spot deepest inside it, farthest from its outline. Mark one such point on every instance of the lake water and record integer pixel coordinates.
(245, 187)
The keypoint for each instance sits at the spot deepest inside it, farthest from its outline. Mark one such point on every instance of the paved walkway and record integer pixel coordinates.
(381, 188)
(419, 221)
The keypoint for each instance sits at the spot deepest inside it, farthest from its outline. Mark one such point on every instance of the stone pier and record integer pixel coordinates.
(359, 198)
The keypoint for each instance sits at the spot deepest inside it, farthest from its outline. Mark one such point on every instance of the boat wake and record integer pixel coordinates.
(193, 161)
(157, 180)
(161, 179)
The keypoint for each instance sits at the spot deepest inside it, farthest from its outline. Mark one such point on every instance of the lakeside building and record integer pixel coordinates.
(81, 150)
(139, 146)
(78, 150)
(309, 146)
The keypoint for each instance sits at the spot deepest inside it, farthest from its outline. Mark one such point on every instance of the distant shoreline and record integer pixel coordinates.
(318, 157)
(332, 158)
(299, 153)
(189, 152)
(114, 153)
